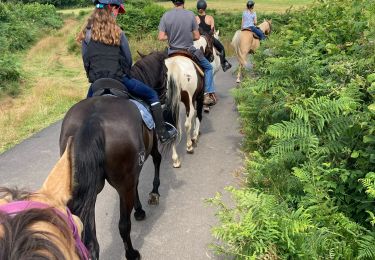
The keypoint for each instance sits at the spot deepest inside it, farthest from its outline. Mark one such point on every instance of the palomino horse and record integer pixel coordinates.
(38, 225)
(245, 43)
(111, 143)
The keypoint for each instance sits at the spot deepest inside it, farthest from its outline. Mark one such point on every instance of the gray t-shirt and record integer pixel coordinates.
(179, 24)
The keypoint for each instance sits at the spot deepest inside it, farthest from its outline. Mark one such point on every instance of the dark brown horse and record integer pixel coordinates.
(111, 143)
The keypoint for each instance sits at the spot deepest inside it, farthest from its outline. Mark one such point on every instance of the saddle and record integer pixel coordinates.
(108, 86)
(249, 30)
(189, 56)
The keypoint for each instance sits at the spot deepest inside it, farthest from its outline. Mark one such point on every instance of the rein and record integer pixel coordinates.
(16, 207)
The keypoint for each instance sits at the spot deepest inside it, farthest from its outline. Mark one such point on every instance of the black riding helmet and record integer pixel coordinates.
(201, 4)
(178, 2)
(250, 4)
(119, 3)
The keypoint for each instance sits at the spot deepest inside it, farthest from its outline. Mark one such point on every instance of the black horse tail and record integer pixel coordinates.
(89, 173)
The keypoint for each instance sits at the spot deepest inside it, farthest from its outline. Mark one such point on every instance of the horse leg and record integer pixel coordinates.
(239, 73)
(175, 158)
(194, 139)
(126, 206)
(139, 213)
(188, 124)
(154, 194)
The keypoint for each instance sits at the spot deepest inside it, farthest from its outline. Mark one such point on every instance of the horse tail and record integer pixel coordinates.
(174, 94)
(89, 162)
(236, 43)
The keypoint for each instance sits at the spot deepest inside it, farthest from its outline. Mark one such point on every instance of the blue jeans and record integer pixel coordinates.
(258, 32)
(138, 89)
(208, 75)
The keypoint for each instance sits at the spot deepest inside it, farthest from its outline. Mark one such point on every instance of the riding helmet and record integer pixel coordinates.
(250, 4)
(178, 1)
(119, 3)
(201, 4)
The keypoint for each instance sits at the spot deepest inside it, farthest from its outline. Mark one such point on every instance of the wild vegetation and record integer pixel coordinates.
(309, 122)
(20, 27)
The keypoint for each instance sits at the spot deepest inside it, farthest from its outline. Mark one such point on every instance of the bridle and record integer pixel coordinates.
(16, 207)
(270, 25)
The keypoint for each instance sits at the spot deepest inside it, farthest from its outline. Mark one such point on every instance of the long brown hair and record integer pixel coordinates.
(103, 28)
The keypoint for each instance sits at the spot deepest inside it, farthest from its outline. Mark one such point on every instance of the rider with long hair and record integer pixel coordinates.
(106, 54)
(249, 20)
(206, 25)
(179, 28)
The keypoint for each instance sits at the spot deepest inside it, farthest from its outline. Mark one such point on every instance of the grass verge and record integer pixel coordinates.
(264, 6)
(53, 81)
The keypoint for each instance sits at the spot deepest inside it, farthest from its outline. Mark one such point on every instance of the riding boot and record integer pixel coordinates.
(224, 63)
(163, 134)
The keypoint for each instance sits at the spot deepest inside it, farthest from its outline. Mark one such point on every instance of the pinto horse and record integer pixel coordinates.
(111, 143)
(244, 43)
(38, 225)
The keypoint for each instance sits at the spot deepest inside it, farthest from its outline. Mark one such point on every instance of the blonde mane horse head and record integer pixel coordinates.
(36, 232)
(244, 43)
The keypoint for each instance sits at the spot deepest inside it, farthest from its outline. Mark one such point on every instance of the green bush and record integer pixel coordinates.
(309, 124)
(20, 26)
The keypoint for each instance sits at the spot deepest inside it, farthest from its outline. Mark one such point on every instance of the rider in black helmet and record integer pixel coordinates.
(206, 25)
(179, 28)
(106, 54)
(249, 20)
(250, 4)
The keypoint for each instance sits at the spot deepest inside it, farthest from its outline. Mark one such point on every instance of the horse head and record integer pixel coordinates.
(48, 229)
(268, 27)
(209, 49)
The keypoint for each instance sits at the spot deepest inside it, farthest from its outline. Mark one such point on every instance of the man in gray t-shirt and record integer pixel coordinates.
(179, 27)
(179, 24)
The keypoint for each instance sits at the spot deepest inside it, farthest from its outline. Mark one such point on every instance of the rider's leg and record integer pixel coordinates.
(224, 63)
(210, 97)
(89, 92)
(141, 90)
(258, 32)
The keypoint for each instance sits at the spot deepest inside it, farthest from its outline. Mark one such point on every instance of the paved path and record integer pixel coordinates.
(179, 227)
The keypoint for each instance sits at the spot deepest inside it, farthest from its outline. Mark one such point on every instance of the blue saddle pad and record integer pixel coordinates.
(146, 115)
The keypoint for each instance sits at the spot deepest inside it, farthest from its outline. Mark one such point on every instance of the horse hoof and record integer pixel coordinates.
(140, 215)
(177, 164)
(206, 109)
(154, 199)
(190, 151)
(134, 255)
(238, 81)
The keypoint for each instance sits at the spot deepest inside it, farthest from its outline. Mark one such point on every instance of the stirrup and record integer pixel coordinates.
(171, 131)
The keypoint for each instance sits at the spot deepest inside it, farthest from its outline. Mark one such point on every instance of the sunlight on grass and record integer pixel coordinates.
(54, 81)
(263, 6)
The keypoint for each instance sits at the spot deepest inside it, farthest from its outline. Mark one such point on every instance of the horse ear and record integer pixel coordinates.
(270, 21)
(140, 54)
(59, 184)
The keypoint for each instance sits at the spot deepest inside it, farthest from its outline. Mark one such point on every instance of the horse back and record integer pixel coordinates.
(119, 119)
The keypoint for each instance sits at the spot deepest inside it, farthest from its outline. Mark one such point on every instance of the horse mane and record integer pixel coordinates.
(18, 240)
(151, 70)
